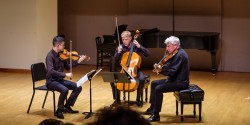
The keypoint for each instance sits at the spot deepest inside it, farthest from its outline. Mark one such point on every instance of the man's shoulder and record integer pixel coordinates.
(50, 54)
(182, 53)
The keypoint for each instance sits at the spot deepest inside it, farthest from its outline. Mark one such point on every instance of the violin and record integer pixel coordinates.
(65, 55)
(130, 62)
(158, 67)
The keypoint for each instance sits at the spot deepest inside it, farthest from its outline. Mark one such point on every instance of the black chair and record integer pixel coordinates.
(145, 87)
(99, 52)
(101, 57)
(115, 67)
(38, 72)
(146, 84)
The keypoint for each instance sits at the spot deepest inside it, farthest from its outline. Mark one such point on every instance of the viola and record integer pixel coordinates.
(130, 62)
(65, 55)
(158, 67)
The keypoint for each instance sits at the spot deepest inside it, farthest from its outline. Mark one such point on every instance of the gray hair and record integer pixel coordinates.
(172, 40)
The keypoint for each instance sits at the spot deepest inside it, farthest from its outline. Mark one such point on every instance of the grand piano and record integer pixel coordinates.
(154, 38)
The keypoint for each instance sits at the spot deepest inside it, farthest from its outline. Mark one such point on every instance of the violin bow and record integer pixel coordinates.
(70, 58)
(117, 31)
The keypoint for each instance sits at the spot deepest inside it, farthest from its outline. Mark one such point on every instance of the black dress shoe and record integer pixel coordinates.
(116, 103)
(68, 109)
(149, 111)
(153, 118)
(59, 114)
(139, 103)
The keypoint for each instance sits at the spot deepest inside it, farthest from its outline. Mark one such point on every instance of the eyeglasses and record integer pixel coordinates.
(62, 44)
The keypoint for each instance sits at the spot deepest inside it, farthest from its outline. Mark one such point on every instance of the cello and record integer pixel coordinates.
(130, 62)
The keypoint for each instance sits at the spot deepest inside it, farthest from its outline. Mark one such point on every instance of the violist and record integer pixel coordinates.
(176, 68)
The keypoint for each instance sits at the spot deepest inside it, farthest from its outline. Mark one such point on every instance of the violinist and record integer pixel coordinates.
(55, 77)
(176, 69)
(120, 50)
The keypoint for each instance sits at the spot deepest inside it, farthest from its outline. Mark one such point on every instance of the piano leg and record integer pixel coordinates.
(213, 59)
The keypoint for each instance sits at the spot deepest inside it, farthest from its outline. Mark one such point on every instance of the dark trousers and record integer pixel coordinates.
(63, 87)
(158, 87)
(141, 78)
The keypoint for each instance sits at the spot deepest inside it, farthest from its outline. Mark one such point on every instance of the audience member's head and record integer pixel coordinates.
(119, 116)
(51, 121)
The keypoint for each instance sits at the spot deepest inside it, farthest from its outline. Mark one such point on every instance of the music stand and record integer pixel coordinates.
(90, 75)
(116, 77)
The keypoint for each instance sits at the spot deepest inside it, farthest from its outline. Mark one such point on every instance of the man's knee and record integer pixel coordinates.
(79, 89)
(158, 89)
(153, 84)
(142, 78)
(64, 91)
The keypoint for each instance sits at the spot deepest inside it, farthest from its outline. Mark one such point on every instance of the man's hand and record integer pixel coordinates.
(83, 57)
(137, 44)
(157, 68)
(70, 75)
(119, 49)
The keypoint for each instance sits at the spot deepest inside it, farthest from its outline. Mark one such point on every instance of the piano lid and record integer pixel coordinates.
(188, 40)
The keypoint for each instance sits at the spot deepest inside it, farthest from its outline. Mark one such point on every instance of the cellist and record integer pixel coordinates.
(127, 41)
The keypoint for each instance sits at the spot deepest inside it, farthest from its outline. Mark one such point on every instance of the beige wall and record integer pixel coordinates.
(27, 28)
(46, 18)
(235, 36)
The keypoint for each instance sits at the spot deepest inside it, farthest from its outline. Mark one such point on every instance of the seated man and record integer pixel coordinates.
(55, 77)
(176, 66)
(123, 48)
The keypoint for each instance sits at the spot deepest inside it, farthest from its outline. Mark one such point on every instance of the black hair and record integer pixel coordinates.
(58, 39)
(51, 121)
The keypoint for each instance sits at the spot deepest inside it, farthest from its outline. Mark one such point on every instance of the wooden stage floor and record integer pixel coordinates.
(227, 99)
